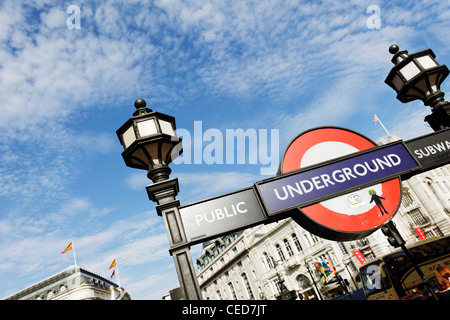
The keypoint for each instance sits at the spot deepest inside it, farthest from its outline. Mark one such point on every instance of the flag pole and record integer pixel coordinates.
(118, 276)
(74, 257)
(114, 265)
(377, 119)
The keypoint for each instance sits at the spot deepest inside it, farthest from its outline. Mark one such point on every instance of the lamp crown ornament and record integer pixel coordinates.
(140, 106)
(394, 49)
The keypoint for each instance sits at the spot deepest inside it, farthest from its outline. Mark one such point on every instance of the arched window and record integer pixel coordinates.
(303, 282)
(297, 244)
(247, 286)
(288, 248)
(280, 252)
(268, 260)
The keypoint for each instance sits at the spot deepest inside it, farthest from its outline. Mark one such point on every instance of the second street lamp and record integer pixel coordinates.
(150, 143)
(419, 76)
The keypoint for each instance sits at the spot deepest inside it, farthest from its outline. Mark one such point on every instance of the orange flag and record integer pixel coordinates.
(113, 264)
(69, 247)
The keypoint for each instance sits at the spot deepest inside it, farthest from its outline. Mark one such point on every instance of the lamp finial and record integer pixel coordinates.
(394, 49)
(140, 105)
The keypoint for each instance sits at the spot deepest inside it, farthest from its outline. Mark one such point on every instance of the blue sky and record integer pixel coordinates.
(285, 66)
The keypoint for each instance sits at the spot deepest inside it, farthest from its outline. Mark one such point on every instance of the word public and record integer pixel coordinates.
(221, 213)
(338, 176)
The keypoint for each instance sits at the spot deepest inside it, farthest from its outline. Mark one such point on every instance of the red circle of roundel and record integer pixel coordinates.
(304, 141)
(324, 217)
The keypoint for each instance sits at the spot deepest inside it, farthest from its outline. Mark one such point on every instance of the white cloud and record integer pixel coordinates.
(54, 18)
(160, 283)
(37, 243)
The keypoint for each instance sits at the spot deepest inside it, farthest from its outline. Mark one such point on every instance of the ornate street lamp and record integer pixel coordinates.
(419, 76)
(150, 143)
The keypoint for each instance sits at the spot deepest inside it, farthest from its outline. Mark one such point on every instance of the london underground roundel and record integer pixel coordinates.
(346, 217)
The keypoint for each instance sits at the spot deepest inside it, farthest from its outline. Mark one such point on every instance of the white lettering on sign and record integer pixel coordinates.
(337, 176)
(432, 149)
(221, 213)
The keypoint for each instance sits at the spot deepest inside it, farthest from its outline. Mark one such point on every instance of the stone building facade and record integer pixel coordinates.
(74, 283)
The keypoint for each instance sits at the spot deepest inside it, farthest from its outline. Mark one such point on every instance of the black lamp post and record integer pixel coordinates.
(150, 143)
(419, 76)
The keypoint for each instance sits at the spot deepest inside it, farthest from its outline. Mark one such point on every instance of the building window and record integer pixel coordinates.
(406, 199)
(352, 266)
(276, 285)
(288, 248)
(417, 217)
(267, 260)
(362, 242)
(429, 233)
(233, 293)
(247, 286)
(280, 252)
(438, 232)
(303, 282)
(296, 242)
(343, 248)
(369, 255)
(219, 294)
(311, 239)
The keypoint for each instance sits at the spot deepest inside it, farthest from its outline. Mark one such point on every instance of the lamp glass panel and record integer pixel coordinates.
(426, 62)
(165, 151)
(413, 94)
(128, 137)
(397, 82)
(166, 127)
(141, 156)
(433, 78)
(147, 127)
(422, 86)
(152, 150)
(410, 71)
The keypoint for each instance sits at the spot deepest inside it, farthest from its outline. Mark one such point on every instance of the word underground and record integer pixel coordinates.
(231, 148)
(219, 214)
(338, 176)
